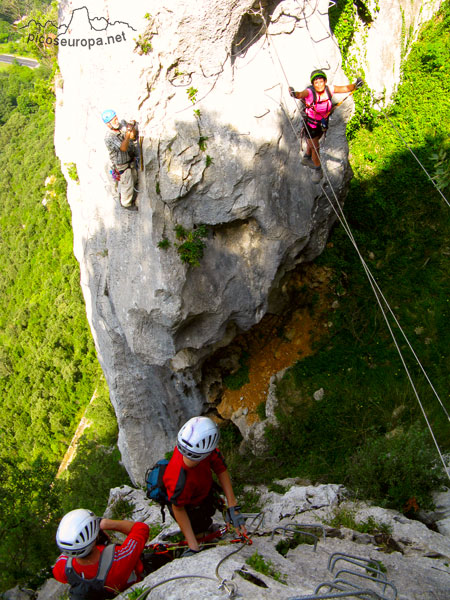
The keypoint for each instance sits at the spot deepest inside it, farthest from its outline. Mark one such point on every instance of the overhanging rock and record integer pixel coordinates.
(221, 148)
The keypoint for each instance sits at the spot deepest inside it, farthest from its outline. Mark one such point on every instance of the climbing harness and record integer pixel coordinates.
(209, 539)
(87, 589)
(212, 539)
(323, 122)
(115, 174)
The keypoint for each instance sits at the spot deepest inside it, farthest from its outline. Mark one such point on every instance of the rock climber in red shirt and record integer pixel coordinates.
(189, 483)
(94, 568)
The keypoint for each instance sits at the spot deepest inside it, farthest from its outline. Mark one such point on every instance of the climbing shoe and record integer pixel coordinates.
(317, 174)
(307, 161)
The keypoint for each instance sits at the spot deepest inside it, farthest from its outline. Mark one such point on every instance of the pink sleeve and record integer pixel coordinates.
(309, 99)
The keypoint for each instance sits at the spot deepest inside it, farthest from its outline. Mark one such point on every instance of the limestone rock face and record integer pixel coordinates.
(381, 48)
(208, 83)
(415, 559)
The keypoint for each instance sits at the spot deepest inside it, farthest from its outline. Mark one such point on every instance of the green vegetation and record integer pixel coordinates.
(344, 517)
(236, 380)
(250, 501)
(122, 509)
(155, 529)
(266, 567)
(72, 171)
(376, 564)
(442, 168)
(192, 244)
(277, 488)
(368, 432)
(192, 94)
(143, 43)
(20, 39)
(299, 537)
(202, 142)
(48, 366)
(164, 244)
(135, 593)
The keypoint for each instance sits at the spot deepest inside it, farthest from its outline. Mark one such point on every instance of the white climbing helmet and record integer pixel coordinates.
(77, 532)
(198, 438)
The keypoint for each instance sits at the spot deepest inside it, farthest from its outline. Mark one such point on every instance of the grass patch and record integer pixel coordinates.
(283, 546)
(155, 529)
(250, 501)
(343, 517)
(122, 510)
(369, 433)
(135, 593)
(277, 488)
(266, 567)
(236, 380)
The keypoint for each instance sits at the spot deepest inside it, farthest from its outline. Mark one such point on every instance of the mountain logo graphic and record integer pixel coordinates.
(82, 31)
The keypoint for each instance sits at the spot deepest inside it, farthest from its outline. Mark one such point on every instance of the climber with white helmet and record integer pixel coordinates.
(120, 142)
(92, 566)
(317, 99)
(189, 482)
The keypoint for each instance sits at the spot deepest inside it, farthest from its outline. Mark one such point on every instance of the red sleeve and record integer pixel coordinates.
(126, 557)
(218, 462)
(59, 570)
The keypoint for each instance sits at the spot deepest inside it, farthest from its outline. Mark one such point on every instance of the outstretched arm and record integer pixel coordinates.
(184, 522)
(351, 87)
(225, 482)
(298, 95)
(120, 526)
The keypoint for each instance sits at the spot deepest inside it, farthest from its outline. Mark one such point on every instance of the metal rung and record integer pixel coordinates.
(300, 526)
(290, 529)
(342, 556)
(375, 580)
(344, 586)
(310, 526)
(376, 571)
(254, 517)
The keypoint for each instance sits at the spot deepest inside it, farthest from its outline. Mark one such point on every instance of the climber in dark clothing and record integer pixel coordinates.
(120, 141)
(317, 98)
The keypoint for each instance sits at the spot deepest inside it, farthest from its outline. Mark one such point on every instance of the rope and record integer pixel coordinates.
(225, 584)
(261, 518)
(147, 591)
(412, 152)
(375, 288)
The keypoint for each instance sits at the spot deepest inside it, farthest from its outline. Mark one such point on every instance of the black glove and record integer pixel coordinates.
(291, 92)
(189, 552)
(236, 519)
(359, 83)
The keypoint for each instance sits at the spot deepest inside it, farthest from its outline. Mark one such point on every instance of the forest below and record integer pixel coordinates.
(49, 371)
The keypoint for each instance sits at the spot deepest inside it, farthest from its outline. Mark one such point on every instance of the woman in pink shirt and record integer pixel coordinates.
(317, 98)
